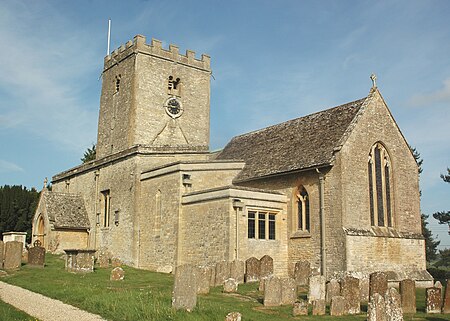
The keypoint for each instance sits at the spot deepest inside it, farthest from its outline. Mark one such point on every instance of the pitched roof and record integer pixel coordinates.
(66, 210)
(297, 144)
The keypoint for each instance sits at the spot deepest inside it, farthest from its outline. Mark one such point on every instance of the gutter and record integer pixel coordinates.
(322, 222)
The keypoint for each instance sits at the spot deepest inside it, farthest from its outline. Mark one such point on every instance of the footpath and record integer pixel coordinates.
(42, 307)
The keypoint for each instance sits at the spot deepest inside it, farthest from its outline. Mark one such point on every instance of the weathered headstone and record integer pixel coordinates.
(115, 262)
(300, 308)
(117, 274)
(316, 288)
(36, 256)
(376, 308)
(364, 288)
(393, 303)
(230, 286)
(103, 260)
(378, 283)
(438, 284)
(252, 269)
(237, 271)
(185, 288)
(318, 307)
(288, 291)
(446, 305)
(337, 307)
(433, 300)
(266, 266)
(80, 260)
(302, 271)
(272, 291)
(333, 289)
(3, 273)
(262, 283)
(408, 294)
(13, 255)
(2, 250)
(233, 316)
(350, 291)
(203, 279)
(24, 256)
(222, 272)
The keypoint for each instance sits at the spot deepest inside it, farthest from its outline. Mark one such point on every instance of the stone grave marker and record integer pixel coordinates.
(237, 271)
(300, 308)
(333, 289)
(103, 260)
(252, 269)
(302, 271)
(266, 266)
(2, 250)
(408, 295)
(318, 307)
(230, 286)
(337, 307)
(378, 283)
(79, 260)
(316, 288)
(184, 294)
(117, 274)
(288, 291)
(350, 291)
(13, 255)
(222, 272)
(438, 284)
(272, 291)
(262, 283)
(364, 288)
(36, 256)
(24, 256)
(376, 308)
(203, 279)
(115, 262)
(393, 303)
(446, 306)
(433, 300)
(233, 316)
(212, 280)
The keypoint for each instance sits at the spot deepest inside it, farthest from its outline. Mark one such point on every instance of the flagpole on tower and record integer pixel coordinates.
(109, 35)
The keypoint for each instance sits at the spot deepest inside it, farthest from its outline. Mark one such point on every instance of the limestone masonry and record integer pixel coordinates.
(337, 190)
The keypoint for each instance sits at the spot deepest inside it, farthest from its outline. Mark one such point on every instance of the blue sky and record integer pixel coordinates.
(271, 60)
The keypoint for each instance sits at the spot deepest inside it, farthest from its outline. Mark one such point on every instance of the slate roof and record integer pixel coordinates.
(66, 210)
(297, 144)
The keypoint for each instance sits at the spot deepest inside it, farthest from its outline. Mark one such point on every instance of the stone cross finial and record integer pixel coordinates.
(45, 182)
(374, 80)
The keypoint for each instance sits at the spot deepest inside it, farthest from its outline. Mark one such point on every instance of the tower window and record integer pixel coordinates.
(173, 86)
(118, 83)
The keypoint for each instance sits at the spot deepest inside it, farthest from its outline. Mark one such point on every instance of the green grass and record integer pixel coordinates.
(145, 295)
(10, 313)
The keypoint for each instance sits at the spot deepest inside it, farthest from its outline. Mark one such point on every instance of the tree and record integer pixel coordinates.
(89, 154)
(444, 217)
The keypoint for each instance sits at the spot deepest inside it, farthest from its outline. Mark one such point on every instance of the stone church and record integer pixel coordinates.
(338, 188)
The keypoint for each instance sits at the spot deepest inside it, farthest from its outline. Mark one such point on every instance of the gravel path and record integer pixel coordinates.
(42, 307)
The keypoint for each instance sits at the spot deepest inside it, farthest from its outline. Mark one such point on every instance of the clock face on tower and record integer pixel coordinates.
(173, 107)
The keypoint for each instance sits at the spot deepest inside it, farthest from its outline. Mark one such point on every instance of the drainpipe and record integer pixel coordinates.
(322, 222)
(238, 205)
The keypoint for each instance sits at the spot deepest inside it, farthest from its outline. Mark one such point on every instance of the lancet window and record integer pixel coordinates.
(303, 217)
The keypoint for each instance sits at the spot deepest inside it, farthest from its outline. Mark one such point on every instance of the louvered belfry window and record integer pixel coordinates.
(380, 186)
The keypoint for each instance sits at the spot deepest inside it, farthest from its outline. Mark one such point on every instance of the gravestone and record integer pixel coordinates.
(337, 307)
(300, 308)
(233, 316)
(302, 271)
(116, 262)
(13, 255)
(184, 295)
(272, 291)
(266, 266)
(103, 260)
(117, 274)
(376, 308)
(230, 286)
(36, 256)
(333, 289)
(316, 288)
(288, 291)
(203, 279)
(318, 307)
(222, 272)
(2, 250)
(212, 281)
(237, 271)
(433, 300)
(378, 283)
(252, 269)
(24, 256)
(438, 284)
(408, 294)
(262, 282)
(446, 306)
(393, 303)
(364, 288)
(350, 291)
(79, 260)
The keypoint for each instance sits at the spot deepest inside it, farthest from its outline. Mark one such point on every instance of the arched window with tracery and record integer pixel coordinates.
(303, 216)
(380, 186)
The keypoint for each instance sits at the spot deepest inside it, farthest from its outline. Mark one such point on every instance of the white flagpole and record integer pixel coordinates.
(109, 35)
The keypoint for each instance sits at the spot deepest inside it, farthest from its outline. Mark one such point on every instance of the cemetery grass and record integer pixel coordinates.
(10, 313)
(145, 295)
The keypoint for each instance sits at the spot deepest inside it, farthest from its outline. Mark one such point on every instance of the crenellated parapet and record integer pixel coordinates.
(138, 45)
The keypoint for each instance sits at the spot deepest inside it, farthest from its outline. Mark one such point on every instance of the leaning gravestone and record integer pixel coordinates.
(337, 307)
(222, 272)
(378, 283)
(333, 289)
(117, 274)
(2, 249)
(350, 291)
(272, 291)
(288, 291)
(252, 270)
(185, 288)
(266, 266)
(316, 288)
(13, 255)
(318, 307)
(446, 306)
(393, 305)
(237, 271)
(300, 308)
(36, 256)
(302, 271)
(408, 294)
(203, 279)
(230, 286)
(376, 308)
(433, 300)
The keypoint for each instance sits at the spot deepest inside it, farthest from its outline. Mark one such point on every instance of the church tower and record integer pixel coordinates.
(154, 98)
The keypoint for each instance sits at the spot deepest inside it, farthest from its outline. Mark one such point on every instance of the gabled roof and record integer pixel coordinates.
(294, 145)
(66, 210)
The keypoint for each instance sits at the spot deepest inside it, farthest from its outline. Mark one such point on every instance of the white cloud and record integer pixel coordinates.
(6, 167)
(437, 96)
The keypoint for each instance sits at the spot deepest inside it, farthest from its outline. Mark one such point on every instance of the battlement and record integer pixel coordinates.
(138, 45)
